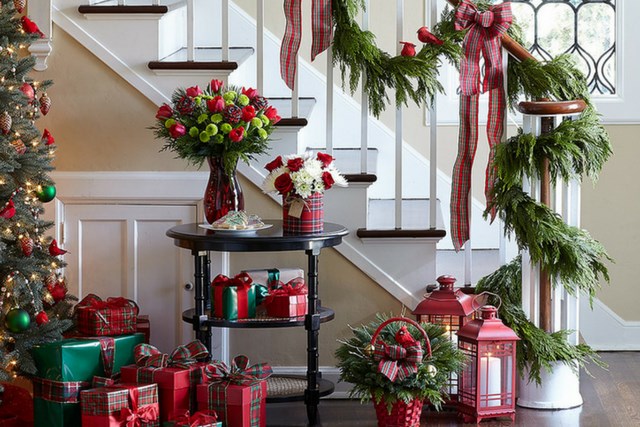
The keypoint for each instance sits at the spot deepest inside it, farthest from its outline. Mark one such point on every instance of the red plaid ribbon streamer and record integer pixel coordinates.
(58, 391)
(115, 316)
(485, 29)
(397, 362)
(322, 29)
(183, 356)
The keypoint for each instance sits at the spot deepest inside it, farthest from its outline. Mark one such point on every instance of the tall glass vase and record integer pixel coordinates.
(223, 192)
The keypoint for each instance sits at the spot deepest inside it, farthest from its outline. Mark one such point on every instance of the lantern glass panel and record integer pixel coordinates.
(467, 380)
(496, 374)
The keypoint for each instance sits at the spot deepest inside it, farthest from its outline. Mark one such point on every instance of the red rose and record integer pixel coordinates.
(283, 183)
(250, 92)
(272, 114)
(164, 112)
(237, 134)
(248, 113)
(177, 130)
(327, 178)
(216, 85)
(295, 164)
(326, 159)
(274, 164)
(216, 104)
(194, 91)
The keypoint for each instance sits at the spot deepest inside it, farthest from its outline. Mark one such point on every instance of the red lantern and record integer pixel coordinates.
(451, 309)
(488, 381)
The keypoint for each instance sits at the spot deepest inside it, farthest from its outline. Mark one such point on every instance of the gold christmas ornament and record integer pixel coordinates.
(432, 370)
(368, 350)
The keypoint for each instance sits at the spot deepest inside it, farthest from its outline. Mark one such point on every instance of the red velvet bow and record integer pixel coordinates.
(293, 287)
(199, 418)
(242, 280)
(144, 414)
(96, 302)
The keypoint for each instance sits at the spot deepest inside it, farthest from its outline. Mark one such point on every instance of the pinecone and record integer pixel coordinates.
(26, 244)
(259, 102)
(185, 105)
(5, 122)
(232, 114)
(45, 104)
(19, 5)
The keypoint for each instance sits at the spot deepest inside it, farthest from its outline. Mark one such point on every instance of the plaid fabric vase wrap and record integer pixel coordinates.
(483, 37)
(115, 316)
(311, 219)
(176, 375)
(127, 405)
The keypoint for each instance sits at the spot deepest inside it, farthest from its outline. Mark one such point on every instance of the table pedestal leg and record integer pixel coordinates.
(312, 325)
(201, 278)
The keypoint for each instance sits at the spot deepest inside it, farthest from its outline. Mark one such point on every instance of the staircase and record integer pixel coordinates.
(147, 43)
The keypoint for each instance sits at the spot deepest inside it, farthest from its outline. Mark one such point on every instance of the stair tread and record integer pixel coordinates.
(208, 55)
(348, 162)
(283, 105)
(132, 7)
(400, 233)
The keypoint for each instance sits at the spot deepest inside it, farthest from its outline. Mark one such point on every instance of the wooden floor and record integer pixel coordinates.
(611, 399)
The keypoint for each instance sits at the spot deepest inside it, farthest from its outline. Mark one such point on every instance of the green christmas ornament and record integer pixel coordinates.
(46, 193)
(17, 320)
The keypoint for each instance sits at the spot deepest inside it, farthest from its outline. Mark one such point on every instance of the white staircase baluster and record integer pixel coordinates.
(329, 124)
(260, 47)
(433, 137)
(225, 30)
(191, 29)
(398, 130)
(295, 97)
(364, 112)
(468, 246)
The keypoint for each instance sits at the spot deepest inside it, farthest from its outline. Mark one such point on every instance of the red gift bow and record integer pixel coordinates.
(94, 301)
(242, 282)
(485, 29)
(147, 355)
(397, 362)
(239, 372)
(135, 416)
(293, 287)
(199, 418)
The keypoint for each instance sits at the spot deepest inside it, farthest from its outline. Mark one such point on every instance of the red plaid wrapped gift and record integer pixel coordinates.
(143, 326)
(303, 216)
(115, 316)
(176, 375)
(128, 405)
(199, 419)
(237, 393)
(289, 300)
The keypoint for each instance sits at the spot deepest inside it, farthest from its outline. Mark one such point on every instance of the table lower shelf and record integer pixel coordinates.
(290, 388)
(326, 314)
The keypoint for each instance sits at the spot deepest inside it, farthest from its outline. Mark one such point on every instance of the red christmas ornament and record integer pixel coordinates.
(8, 211)
(408, 49)
(42, 318)
(5, 122)
(425, 36)
(30, 27)
(19, 146)
(19, 5)
(28, 91)
(54, 250)
(45, 104)
(26, 244)
(58, 292)
(48, 138)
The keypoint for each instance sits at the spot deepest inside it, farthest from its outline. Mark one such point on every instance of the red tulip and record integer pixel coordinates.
(409, 49)
(425, 36)
(237, 134)
(250, 92)
(164, 112)
(194, 91)
(177, 130)
(216, 104)
(325, 158)
(248, 113)
(274, 164)
(272, 114)
(216, 85)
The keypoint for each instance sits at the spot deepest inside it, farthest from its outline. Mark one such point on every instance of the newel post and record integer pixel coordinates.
(39, 11)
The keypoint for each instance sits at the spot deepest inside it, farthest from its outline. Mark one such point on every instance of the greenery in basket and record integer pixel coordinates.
(220, 121)
(358, 366)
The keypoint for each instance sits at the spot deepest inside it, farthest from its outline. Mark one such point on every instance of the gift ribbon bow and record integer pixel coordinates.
(136, 416)
(485, 29)
(183, 356)
(199, 418)
(94, 301)
(239, 372)
(322, 30)
(397, 362)
(291, 288)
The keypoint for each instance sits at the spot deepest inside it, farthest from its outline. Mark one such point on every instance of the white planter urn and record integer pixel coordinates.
(559, 389)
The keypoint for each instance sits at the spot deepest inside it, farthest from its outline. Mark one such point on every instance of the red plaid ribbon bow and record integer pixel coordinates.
(199, 418)
(485, 29)
(183, 356)
(322, 29)
(96, 302)
(137, 415)
(293, 287)
(397, 362)
(239, 372)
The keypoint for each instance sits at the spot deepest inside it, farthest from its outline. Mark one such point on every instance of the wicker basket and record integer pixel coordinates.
(402, 414)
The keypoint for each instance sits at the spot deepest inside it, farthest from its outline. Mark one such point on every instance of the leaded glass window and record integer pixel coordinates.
(584, 28)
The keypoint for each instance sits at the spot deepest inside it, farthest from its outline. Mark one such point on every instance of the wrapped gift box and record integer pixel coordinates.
(68, 366)
(274, 277)
(198, 419)
(114, 406)
(144, 326)
(288, 300)
(115, 316)
(235, 298)
(236, 405)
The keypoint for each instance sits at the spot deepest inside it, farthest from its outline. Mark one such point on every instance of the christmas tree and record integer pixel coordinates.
(34, 304)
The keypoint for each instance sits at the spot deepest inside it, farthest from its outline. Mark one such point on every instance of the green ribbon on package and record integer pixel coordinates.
(236, 298)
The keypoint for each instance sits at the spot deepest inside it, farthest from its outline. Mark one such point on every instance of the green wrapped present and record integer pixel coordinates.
(235, 298)
(66, 367)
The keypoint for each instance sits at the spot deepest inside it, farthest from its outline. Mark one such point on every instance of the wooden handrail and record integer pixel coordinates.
(512, 46)
(545, 107)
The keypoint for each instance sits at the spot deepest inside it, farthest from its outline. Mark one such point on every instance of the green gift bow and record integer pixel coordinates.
(183, 356)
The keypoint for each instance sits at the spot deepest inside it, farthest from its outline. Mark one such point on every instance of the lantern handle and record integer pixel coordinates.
(483, 293)
(405, 320)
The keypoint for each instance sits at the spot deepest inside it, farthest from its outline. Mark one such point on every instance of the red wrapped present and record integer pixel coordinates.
(16, 408)
(9, 421)
(199, 419)
(115, 316)
(143, 326)
(237, 393)
(176, 375)
(274, 277)
(289, 300)
(234, 298)
(129, 405)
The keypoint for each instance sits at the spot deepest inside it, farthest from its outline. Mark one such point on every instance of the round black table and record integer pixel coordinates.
(200, 241)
